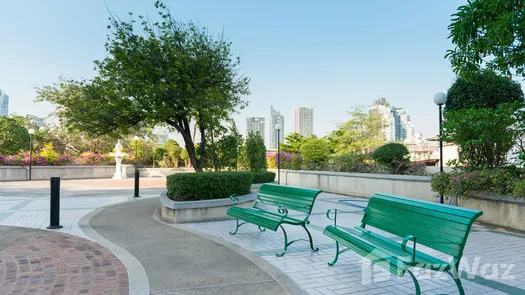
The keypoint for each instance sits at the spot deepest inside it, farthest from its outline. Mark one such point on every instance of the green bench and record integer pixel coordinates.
(440, 227)
(284, 198)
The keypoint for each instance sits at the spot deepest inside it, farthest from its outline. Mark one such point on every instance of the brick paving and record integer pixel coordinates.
(57, 263)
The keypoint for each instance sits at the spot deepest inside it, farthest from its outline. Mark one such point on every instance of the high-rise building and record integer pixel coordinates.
(39, 122)
(303, 121)
(4, 104)
(276, 118)
(383, 109)
(398, 126)
(255, 124)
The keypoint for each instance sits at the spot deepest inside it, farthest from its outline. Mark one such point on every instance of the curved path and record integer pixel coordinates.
(177, 261)
(42, 262)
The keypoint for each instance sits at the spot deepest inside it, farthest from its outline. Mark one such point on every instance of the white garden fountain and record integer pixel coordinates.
(120, 171)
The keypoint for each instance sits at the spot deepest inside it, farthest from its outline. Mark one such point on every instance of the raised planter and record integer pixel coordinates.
(199, 211)
(505, 212)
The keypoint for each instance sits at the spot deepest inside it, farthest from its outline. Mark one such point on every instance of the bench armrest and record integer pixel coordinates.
(284, 211)
(335, 215)
(235, 199)
(404, 246)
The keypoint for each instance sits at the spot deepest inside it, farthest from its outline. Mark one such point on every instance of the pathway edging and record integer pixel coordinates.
(138, 280)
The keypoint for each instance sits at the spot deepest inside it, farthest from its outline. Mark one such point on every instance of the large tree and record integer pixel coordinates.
(14, 136)
(157, 72)
(488, 33)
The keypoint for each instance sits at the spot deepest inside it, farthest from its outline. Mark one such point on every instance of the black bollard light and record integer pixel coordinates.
(137, 174)
(54, 222)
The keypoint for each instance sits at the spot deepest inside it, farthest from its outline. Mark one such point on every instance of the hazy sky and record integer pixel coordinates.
(326, 55)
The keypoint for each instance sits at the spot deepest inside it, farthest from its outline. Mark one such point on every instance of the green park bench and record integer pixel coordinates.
(440, 227)
(284, 198)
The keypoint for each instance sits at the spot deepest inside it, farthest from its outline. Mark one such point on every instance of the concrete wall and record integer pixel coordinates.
(507, 212)
(162, 172)
(361, 184)
(15, 173)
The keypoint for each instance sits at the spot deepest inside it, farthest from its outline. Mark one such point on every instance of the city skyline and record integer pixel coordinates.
(256, 124)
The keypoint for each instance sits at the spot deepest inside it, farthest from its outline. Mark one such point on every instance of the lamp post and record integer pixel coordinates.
(278, 127)
(31, 131)
(137, 172)
(440, 99)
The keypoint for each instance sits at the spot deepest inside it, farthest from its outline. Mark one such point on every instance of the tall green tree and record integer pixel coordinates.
(14, 136)
(293, 143)
(156, 72)
(254, 153)
(228, 148)
(362, 133)
(315, 153)
(485, 89)
(488, 33)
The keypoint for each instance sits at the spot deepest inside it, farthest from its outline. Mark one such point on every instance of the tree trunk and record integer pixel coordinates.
(183, 128)
(215, 160)
(202, 159)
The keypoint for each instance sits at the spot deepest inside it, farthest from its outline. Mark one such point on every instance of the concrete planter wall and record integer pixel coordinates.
(361, 184)
(200, 211)
(17, 173)
(505, 212)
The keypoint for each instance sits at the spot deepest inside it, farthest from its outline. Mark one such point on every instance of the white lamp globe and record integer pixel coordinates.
(440, 98)
(31, 131)
(278, 126)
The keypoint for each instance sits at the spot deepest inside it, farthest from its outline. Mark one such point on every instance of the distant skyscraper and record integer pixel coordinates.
(4, 104)
(276, 117)
(39, 122)
(398, 126)
(303, 121)
(255, 124)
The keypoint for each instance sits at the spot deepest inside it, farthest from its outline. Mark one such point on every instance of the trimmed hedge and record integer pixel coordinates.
(263, 177)
(213, 185)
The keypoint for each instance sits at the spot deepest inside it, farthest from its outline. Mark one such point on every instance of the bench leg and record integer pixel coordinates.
(285, 243)
(418, 290)
(261, 229)
(337, 252)
(237, 227)
(310, 239)
(454, 274)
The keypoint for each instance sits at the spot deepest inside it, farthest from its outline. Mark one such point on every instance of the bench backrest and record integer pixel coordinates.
(440, 227)
(292, 198)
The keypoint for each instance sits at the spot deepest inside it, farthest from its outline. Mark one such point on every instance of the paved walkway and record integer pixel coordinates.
(43, 262)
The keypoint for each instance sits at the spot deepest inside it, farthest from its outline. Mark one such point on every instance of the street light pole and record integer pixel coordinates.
(137, 172)
(31, 131)
(278, 127)
(440, 99)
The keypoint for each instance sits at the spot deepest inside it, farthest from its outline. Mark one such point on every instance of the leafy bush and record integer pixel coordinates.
(492, 181)
(393, 155)
(263, 177)
(315, 154)
(3, 160)
(359, 163)
(296, 162)
(284, 157)
(208, 185)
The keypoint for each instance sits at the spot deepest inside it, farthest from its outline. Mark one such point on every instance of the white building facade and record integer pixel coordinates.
(303, 121)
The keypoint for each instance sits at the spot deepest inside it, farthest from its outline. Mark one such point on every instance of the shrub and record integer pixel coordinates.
(360, 163)
(296, 162)
(263, 177)
(315, 154)
(393, 155)
(208, 185)
(3, 160)
(284, 157)
(255, 152)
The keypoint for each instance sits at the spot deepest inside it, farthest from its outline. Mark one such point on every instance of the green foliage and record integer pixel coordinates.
(254, 153)
(263, 177)
(393, 155)
(296, 162)
(484, 136)
(498, 182)
(519, 189)
(208, 185)
(315, 153)
(173, 153)
(155, 72)
(228, 148)
(358, 163)
(483, 90)
(362, 133)
(185, 157)
(293, 143)
(13, 135)
(488, 32)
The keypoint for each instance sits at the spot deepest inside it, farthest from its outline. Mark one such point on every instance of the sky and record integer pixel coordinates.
(325, 55)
